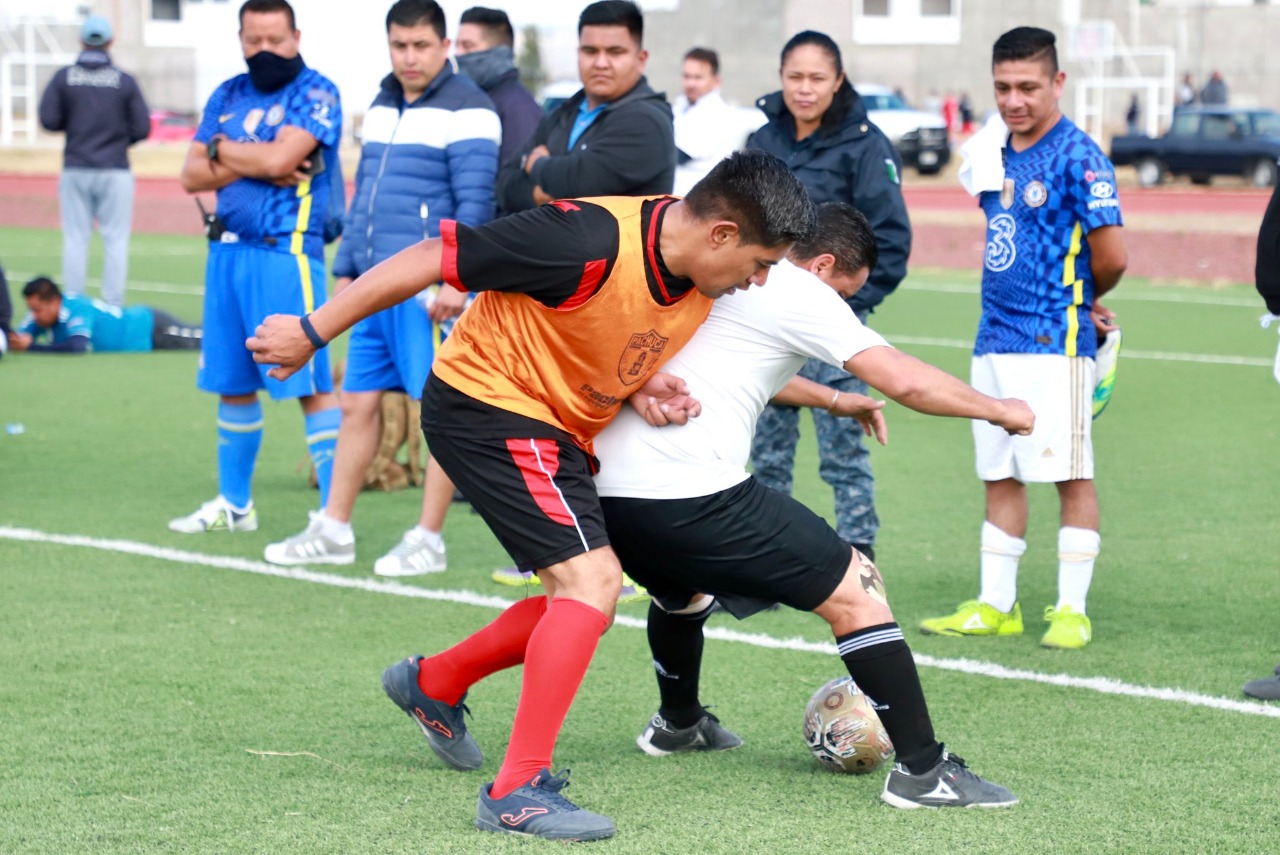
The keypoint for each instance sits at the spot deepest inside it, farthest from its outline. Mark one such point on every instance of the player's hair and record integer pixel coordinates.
(760, 194)
(614, 13)
(413, 13)
(835, 115)
(266, 7)
(494, 22)
(707, 55)
(844, 232)
(42, 288)
(1027, 43)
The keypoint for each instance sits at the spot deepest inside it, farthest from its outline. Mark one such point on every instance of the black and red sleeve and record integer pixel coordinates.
(559, 254)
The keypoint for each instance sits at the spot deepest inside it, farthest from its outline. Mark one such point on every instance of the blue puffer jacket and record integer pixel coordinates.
(431, 160)
(848, 159)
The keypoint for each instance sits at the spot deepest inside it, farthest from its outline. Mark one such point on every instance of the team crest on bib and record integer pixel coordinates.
(640, 353)
(275, 115)
(1035, 195)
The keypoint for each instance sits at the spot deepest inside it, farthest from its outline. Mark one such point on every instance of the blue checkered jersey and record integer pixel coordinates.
(290, 219)
(1037, 283)
(108, 328)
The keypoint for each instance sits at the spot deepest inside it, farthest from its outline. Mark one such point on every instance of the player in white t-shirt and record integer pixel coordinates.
(689, 523)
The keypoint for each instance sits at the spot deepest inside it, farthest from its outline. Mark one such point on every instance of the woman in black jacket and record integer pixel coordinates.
(818, 126)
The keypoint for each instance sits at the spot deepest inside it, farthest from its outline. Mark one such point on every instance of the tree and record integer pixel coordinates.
(530, 59)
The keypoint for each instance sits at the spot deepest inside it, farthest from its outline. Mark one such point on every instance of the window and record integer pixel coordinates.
(1185, 125)
(166, 10)
(906, 22)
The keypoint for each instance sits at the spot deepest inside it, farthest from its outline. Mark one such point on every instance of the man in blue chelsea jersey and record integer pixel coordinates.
(263, 139)
(1054, 246)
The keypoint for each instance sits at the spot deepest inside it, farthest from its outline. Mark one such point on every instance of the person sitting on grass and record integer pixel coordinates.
(58, 324)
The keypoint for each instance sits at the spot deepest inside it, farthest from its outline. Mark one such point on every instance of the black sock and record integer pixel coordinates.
(880, 662)
(676, 644)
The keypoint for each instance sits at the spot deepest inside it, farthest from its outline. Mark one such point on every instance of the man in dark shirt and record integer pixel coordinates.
(101, 110)
(613, 138)
(484, 52)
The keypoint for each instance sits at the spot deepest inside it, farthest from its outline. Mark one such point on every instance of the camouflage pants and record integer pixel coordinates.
(845, 463)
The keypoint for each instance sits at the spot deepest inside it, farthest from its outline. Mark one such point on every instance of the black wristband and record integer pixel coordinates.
(314, 337)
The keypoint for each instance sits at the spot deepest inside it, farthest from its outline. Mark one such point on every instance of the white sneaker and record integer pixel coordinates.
(412, 556)
(311, 546)
(216, 515)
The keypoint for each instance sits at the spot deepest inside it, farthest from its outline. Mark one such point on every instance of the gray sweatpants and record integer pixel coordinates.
(105, 195)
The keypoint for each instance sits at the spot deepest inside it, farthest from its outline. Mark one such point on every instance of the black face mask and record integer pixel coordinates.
(270, 71)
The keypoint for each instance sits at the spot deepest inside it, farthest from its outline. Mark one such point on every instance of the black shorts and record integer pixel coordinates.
(526, 479)
(749, 546)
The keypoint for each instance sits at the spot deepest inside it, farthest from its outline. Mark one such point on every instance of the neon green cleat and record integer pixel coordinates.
(975, 618)
(1068, 629)
(632, 591)
(1107, 361)
(515, 577)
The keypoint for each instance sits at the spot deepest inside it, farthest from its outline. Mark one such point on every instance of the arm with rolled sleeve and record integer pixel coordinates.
(877, 193)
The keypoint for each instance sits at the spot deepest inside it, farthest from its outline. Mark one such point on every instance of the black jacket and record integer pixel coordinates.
(101, 110)
(629, 150)
(850, 160)
(1267, 269)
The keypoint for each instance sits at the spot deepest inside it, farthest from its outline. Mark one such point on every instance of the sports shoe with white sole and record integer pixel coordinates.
(661, 739)
(412, 556)
(310, 546)
(975, 618)
(1106, 363)
(537, 809)
(441, 724)
(216, 515)
(948, 784)
(515, 577)
(1068, 628)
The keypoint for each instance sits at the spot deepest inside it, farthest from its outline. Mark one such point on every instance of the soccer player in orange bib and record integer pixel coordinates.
(580, 303)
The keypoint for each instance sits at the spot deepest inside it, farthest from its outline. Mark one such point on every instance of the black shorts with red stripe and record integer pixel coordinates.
(527, 479)
(749, 546)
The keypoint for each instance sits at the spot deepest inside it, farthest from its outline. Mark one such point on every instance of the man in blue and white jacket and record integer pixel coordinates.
(430, 153)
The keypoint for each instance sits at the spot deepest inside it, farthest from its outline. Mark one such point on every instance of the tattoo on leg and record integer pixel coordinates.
(871, 580)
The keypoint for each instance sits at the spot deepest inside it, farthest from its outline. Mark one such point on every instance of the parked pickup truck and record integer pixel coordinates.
(1206, 141)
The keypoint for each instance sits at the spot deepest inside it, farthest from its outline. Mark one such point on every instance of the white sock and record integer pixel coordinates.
(336, 530)
(1000, 554)
(1077, 550)
(431, 538)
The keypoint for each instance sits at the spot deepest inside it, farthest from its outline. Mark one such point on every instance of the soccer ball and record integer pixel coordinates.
(843, 731)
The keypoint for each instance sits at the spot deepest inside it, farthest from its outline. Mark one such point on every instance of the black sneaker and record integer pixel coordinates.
(441, 724)
(1266, 688)
(660, 738)
(538, 810)
(948, 784)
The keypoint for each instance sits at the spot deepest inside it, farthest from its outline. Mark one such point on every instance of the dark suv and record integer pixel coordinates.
(1206, 141)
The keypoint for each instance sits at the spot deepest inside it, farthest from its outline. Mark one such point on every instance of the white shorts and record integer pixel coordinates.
(1059, 390)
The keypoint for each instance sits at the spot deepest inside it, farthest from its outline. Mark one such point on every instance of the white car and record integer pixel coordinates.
(919, 137)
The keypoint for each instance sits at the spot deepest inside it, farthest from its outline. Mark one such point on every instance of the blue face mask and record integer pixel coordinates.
(269, 71)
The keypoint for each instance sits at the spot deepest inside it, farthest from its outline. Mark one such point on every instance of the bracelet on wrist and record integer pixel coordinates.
(314, 337)
(834, 400)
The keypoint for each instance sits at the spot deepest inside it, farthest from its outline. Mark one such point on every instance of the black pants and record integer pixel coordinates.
(169, 333)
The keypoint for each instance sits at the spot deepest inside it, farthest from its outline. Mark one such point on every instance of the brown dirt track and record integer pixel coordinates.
(1178, 232)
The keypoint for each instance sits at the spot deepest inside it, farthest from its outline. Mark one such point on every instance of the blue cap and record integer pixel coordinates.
(96, 31)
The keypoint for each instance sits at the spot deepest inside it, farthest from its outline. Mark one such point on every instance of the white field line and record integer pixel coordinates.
(1126, 353)
(132, 285)
(1102, 685)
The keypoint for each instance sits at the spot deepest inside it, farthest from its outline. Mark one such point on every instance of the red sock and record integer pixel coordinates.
(501, 644)
(559, 652)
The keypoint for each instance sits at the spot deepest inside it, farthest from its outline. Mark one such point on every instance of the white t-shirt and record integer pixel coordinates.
(753, 342)
(708, 131)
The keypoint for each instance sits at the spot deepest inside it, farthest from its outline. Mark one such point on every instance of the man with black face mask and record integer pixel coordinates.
(485, 52)
(262, 141)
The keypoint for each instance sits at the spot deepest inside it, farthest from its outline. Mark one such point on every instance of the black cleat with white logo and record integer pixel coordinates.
(441, 724)
(660, 738)
(948, 784)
